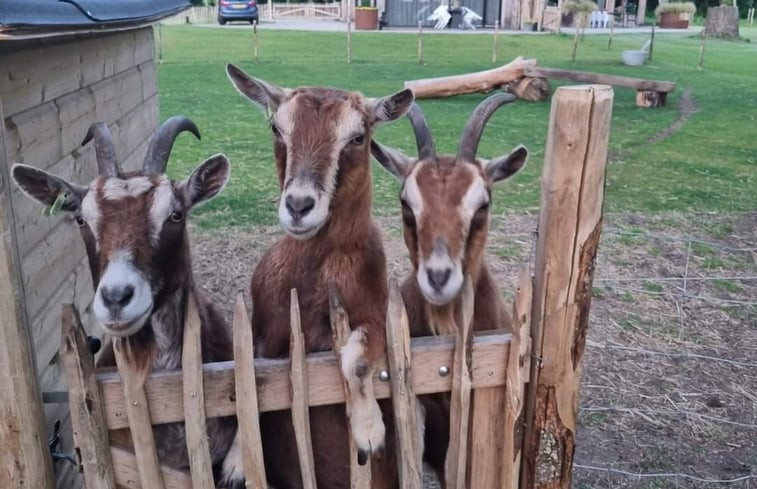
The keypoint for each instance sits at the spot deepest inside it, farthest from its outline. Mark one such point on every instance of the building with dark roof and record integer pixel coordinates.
(63, 65)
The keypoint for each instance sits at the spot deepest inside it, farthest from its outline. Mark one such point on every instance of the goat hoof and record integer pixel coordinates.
(362, 457)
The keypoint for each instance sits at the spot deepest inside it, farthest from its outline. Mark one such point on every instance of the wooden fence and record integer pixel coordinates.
(498, 394)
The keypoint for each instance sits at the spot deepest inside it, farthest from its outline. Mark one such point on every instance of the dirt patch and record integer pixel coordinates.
(669, 382)
(686, 107)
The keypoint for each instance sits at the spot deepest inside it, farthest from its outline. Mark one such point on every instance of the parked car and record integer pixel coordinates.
(229, 10)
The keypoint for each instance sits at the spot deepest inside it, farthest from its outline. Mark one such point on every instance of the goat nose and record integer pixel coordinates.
(299, 206)
(117, 297)
(438, 278)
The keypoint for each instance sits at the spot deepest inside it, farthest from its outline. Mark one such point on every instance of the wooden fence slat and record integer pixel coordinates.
(138, 413)
(248, 415)
(457, 453)
(486, 438)
(570, 223)
(196, 431)
(404, 400)
(518, 366)
(127, 475)
(164, 390)
(85, 404)
(299, 391)
(360, 475)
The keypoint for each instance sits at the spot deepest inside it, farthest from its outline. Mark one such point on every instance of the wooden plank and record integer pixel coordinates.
(585, 77)
(86, 404)
(138, 415)
(127, 475)
(248, 415)
(570, 222)
(486, 439)
(518, 367)
(25, 456)
(360, 475)
(459, 418)
(164, 390)
(481, 81)
(298, 377)
(198, 447)
(404, 401)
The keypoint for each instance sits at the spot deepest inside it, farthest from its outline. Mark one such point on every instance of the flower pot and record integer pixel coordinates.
(366, 18)
(674, 20)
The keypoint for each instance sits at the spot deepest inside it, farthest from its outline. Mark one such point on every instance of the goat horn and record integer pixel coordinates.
(105, 153)
(474, 128)
(161, 144)
(423, 139)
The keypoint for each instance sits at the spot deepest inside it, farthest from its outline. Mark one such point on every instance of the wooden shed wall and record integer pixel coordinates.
(51, 91)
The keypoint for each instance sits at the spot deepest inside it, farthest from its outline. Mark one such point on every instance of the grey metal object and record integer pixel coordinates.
(443, 371)
(384, 376)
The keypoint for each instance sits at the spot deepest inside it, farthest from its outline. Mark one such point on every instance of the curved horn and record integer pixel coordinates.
(162, 142)
(105, 153)
(423, 139)
(475, 125)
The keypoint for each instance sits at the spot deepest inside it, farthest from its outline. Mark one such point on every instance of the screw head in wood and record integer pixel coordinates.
(384, 376)
(135, 403)
(443, 371)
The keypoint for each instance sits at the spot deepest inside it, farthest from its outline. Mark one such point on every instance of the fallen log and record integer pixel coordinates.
(601, 78)
(481, 81)
(530, 89)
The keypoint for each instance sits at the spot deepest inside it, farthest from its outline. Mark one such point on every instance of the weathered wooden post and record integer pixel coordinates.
(701, 49)
(420, 42)
(86, 404)
(349, 31)
(570, 222)
(255, 40)
(494, 42)
(25, 456)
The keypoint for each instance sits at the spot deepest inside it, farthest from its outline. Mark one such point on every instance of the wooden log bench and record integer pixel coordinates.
(649, 93)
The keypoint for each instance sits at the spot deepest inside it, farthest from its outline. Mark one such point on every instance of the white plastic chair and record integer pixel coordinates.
(469, 16)
(441, 16)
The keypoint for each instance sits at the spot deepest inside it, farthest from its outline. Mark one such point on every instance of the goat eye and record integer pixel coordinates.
(177, 217)
(358, 140)
(79, 221)
(484, 207)
(407, 214)
(274, 129)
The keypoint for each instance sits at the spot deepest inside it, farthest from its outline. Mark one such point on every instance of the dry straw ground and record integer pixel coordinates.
(670, 374)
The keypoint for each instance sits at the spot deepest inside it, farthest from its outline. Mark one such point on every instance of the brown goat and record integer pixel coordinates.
(321, 146)
(445, 213)
(134, 230)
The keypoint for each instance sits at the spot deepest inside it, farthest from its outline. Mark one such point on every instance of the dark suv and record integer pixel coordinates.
(237, 10)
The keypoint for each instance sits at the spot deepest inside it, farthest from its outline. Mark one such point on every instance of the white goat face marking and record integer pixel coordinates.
(442, 290)
(476, 196)
(411, 193)
(90, 212)
(122, 313)
(117, 188)
(163, 204)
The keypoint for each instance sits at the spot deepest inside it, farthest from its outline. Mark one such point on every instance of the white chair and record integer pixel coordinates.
(441, 16)
(605, 19)
(469, 16)
(594, 21)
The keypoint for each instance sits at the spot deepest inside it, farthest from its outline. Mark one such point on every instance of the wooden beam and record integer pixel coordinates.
(481, 81)
(163, 389)
(570, 223)
(298, 376)
(404, 401)
(601, 78)
(127, 475)
(138, 417)
(25, 456)
(360, 475)
(459, 417)
(198, 447)
(517, 377)
(85, 403)
(248, 415)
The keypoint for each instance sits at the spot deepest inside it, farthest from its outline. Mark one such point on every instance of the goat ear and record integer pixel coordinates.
(267, 95)
(48, 189)
(207, 180)
(392, 160)
(503, 167)
(391, 107)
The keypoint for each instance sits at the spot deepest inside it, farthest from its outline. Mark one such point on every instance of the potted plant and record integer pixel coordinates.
(675, 15)
(366, 16)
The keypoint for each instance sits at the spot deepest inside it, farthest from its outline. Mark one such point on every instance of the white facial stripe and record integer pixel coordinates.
(129, 317)
(90, 212)
(474, 198)
(163, 204)
(117, 188)
(350, 124)
(411, 193)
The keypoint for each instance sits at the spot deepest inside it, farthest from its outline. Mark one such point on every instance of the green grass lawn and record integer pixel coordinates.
(709, 165)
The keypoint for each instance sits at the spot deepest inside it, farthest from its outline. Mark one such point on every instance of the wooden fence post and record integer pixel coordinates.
(570, 222)
(86, 404)
(25, 457)
(255, 40)
(420, 42)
